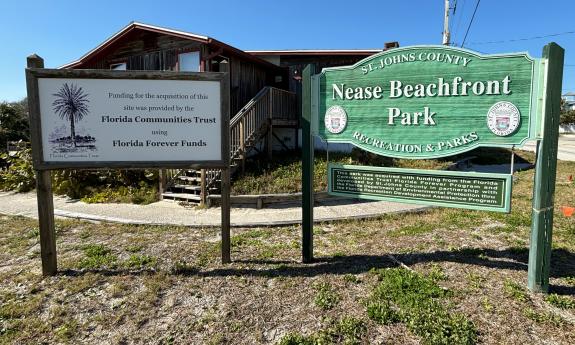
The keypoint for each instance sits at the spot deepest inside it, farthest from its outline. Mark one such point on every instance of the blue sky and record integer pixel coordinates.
(62, 31)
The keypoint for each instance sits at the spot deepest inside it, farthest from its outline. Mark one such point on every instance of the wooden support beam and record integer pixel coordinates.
(225, 176)
(243, 145)
(43, 182)
(46, 221)
(545, 174)
(213, 54)
(226, 237)
(203, 188)
(270, 140)
(270, 129)
(281, 142)
(162, 179)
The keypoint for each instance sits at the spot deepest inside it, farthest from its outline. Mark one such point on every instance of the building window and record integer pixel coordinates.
(189, 62)
(118, 66)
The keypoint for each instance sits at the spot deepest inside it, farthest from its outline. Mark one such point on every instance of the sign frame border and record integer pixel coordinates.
(33, 74)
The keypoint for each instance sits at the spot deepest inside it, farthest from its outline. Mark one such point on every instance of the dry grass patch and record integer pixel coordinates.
(164, 285)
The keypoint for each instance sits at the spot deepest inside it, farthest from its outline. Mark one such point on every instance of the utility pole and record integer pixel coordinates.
(446, 24)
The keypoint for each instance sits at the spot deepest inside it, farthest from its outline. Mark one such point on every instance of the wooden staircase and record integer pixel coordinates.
(251, 127)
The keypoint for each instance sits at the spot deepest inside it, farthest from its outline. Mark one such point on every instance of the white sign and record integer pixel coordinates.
(110, 120)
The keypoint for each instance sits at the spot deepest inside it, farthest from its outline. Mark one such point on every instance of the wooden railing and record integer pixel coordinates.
(248, 126)
(252, 122)
(283, 105)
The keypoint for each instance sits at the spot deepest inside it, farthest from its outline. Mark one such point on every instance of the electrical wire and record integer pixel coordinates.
(524, 38)
(459, 21)
(470, 22)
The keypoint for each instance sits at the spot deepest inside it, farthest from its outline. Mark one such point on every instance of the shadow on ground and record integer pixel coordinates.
(562, 265)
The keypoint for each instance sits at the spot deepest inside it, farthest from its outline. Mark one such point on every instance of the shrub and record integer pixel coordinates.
(567, 117)
(20, 174)
(13, 122)
(135, 186)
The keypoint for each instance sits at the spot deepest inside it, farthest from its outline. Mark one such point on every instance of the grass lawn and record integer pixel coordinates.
(462, 281)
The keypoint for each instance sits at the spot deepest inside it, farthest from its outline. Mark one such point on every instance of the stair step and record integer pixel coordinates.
(187, 187)
(190, 178)
(181, 196)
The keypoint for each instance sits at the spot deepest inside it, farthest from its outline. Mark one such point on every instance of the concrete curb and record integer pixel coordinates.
(98, 218)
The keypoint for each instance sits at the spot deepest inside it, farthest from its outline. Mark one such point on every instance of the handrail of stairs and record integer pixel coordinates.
(249, 125)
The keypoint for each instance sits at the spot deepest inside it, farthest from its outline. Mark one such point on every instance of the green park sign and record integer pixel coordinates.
(436, 101)
(428, 101)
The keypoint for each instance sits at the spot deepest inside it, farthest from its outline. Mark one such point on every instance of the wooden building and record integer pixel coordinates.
(296, 60)
(146, 47)
(265, 101)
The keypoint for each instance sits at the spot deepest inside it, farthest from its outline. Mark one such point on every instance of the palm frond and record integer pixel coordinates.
(71, 102)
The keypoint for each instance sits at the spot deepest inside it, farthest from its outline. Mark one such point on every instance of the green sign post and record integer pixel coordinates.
(436, 101)
(546, 172)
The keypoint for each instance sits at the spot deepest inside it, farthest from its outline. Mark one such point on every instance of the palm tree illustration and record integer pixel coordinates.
(71, 104)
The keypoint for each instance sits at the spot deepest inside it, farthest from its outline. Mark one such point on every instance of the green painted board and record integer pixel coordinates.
(429, 101)
(477, 191)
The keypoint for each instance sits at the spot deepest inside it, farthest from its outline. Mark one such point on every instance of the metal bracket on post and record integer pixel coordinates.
(512, 161)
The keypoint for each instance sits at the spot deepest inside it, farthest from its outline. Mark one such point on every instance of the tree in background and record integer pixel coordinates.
(14, 124)
(566, 116)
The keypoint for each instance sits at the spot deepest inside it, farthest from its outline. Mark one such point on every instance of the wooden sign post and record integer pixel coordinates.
(43, 185)
(99, 119)
(435, 101)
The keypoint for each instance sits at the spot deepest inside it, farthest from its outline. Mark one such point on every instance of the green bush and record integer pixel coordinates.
(129, 186)
(567, 117)
(20, 174)
(138, 186)
(13, 123)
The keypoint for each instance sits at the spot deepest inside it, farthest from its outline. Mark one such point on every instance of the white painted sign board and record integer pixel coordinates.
(123, 120)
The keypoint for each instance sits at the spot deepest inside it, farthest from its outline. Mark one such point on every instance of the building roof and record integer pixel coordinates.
(301, 52)
(571, 93)
(164, 31)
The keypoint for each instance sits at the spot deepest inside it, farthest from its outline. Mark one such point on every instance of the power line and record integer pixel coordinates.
(525, 38)
(470, 22)
(459, 20)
